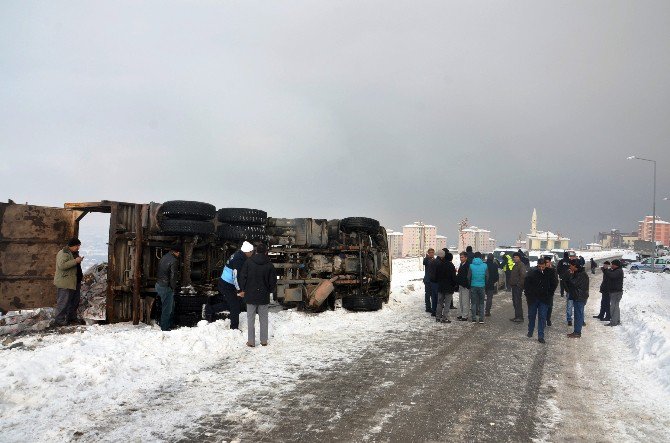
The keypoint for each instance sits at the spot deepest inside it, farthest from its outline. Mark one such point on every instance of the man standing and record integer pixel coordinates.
(516, 281)
(507, 266)
(537, 286)
(604, 314)
(427, 260)
(491, 282)
(563, 270)
(68, 282)
(166, 284)
(229, 286)
(258, 279)
(463, 287)
(615, 287)
(445, 274)
(478, 274)
(594, 265)
(578, 291)
(550, 271)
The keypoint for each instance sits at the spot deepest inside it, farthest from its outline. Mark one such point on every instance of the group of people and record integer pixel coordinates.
(248, 277)
(476, 280)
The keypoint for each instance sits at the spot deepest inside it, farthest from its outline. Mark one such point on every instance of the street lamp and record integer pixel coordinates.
(653, 219)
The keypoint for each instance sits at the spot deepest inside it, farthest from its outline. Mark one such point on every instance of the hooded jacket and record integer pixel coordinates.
(445, 275)
(563, 267)
(258, 279)
(232, 268)
(478, 274)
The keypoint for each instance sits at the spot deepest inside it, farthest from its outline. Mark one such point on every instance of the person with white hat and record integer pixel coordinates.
(229, 287)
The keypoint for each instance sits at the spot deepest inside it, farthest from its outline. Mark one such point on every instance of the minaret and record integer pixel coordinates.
(533, 223)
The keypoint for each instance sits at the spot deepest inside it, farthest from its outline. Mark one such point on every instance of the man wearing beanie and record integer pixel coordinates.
(578, 291)
(68, 282)
(615, 287)
(166, 284)
(229, 287)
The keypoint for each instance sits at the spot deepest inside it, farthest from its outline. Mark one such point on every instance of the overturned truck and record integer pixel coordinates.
(318, 261)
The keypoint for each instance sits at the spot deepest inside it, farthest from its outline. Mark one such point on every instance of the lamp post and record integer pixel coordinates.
(653, 216)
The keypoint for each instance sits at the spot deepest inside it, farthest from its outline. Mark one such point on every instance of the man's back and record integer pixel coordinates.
(167, 271)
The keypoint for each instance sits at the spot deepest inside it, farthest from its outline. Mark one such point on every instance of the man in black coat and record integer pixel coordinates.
(604, 314)
(427, 261)
(258, 280)
(536, 286)
(615, 288)
(463, 287)
(563, 270)
(491, 283)
(445, 276)
(553, 284)
(167, 275)
(578, 291)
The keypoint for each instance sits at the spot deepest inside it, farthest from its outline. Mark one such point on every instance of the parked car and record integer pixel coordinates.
(661, 264)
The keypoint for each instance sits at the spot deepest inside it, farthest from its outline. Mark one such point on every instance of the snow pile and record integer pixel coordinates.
(93, 303)
(645, 322)
(115, 376)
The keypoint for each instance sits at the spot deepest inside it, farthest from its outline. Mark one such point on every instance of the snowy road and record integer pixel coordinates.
(392, 375)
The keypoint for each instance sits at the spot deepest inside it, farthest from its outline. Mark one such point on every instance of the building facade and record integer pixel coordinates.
(616, 239)
(478, 238)
(417, 238)
(395, 243)
(440, 242)
(662, 230)
(544, 240)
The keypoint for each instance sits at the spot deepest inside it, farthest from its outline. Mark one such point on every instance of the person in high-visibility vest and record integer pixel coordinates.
(507, 266)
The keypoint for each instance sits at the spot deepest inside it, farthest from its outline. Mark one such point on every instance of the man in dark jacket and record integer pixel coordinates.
(427, 260)
(578, 292)
(553, 284)
(563, 270)
(615, 287)
(536, 286)
(166, 284)
(229, 287)
(491, 283)
(445, 275)
(594, 266)
(463, 287)
(258, 279)
(604, 314)
(516, 281)
(471, 254)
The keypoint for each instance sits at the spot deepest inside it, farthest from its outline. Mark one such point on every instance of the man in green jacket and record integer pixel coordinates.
(68, 282)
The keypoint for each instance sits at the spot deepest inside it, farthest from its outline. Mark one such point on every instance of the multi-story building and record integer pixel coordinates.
(417, 238)
(478, 238)
(662, 230)
(544, 240)
(616, 239)
(440, 242)
(395, 244)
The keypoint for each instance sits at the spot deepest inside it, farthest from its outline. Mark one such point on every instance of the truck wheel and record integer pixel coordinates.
(187, 210)
(242, 216)
(186, 227)
(362, 303)
(235, 233)
(359, 224)
(190, 303)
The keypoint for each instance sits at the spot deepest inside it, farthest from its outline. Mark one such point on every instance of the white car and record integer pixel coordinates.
(662, 264)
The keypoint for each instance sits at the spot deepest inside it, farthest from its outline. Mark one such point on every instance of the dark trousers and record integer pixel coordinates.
(507, 276)
(539, 310)
(564, 288)
(517, 302)
(232, 302)
(489, 300)
(433, 297)
(67, 303)
(167, 302)
(428, 295)
(604, 307)
(579, 316)
(550, 307)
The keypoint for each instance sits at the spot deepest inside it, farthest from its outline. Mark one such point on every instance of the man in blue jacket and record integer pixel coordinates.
(229, 287)
(478, 275)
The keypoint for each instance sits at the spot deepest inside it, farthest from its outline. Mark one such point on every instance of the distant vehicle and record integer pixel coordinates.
(629, 257)
(662, 264)
(502, 250)
(559, 252)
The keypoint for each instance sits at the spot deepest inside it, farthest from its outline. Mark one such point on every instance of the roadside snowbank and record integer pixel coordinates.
(645, 322)
(101, 381)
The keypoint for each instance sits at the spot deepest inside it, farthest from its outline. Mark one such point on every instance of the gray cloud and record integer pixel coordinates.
(401, 111)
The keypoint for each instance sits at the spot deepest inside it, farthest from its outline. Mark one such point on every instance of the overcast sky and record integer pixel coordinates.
(401, 111)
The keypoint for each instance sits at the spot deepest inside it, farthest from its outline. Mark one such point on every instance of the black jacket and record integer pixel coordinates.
(578, 286)
(462, 276)
(430, 270)
(493, 275)
(552, 275)
(536, 286)
(563, 268)
(615, 280)
(168, 271)
(604, 287)
(445, 276)
(426, 265)
(258, 279)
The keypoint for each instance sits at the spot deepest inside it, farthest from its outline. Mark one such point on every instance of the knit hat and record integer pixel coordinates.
(441, 253)
(616, 263)
(74, 241)
(247, 247)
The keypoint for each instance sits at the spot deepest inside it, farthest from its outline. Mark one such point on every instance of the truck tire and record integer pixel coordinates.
(187, 210)
(362, 303)
(242, 216)
(186, 227)
(190, 303)
(236, 233)
(359, 224)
